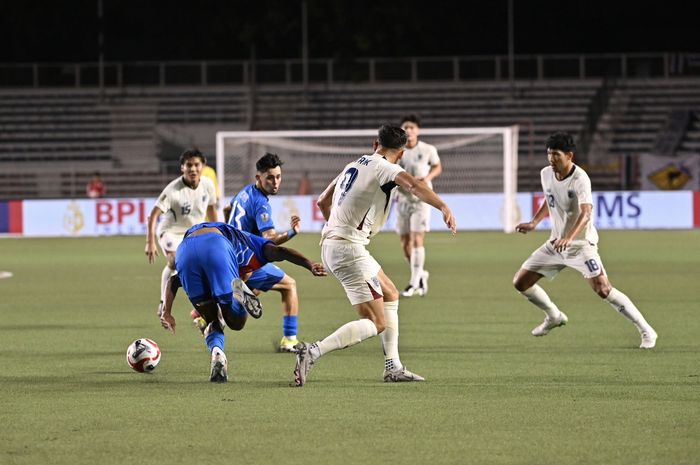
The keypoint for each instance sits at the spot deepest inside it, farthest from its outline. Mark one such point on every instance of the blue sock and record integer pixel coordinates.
(289, 325)
(215, 339)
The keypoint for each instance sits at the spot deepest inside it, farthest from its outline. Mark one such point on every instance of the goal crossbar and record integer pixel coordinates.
(275, 139)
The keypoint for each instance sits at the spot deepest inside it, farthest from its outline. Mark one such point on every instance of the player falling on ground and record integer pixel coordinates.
(420, 160)
(210, 262)
(250, 211)
(186, 201)
(355, 206)
(572, 243)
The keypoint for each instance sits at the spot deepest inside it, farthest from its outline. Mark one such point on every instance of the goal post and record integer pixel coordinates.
(474, 160)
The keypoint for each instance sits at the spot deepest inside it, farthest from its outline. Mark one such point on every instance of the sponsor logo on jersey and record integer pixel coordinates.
(264, 217)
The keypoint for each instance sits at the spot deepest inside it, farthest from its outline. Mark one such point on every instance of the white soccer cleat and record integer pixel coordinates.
(549, 324)
(219, 369)
(423, 286)
(648, 339)
(246, 298)
(409, 291)
(401, 375)
(304, 363)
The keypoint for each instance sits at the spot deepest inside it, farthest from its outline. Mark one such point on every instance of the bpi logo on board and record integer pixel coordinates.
(121, 215)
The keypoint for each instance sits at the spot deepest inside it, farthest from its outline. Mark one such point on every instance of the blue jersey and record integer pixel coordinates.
(250, 211)
(248, 248)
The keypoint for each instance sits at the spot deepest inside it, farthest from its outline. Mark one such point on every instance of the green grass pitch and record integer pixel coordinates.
(585, 394)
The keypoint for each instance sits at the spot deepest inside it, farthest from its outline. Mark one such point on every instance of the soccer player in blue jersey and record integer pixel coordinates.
(210, 262)
(250, 211)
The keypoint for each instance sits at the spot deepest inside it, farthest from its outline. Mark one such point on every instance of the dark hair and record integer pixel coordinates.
(192, 153)
(411, 118)
(561, 141)
(392, 137)
(267, 162)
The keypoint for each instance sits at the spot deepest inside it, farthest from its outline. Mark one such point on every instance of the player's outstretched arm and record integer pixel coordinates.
(325, 200)
(282, 237)
(151, 246)
(532, 224)
(421, 190)
(276, 253)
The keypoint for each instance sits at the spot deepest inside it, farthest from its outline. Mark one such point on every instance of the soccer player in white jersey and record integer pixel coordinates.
(420, 160)
(573, 242)
(355, 206)
(186, 201)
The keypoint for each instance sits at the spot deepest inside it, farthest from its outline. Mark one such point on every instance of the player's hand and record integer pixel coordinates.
(560, 245)
(151, 251)
(449, 219)
(295, 223)
(167, 321)
(317, 269)
(525, 228)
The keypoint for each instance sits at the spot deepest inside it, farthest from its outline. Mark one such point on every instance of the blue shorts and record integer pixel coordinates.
(264, 278)
(206, 265)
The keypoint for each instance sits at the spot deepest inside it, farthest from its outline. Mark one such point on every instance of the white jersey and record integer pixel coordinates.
(417, 162)
(563, 198)
(361, 199)
(183, 206)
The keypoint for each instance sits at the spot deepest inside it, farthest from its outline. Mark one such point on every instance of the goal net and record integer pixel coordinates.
(474, 160)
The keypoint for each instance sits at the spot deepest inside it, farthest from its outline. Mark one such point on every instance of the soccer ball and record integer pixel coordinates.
(143, 355)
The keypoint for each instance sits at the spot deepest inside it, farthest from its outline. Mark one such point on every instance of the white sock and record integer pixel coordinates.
(347, 335)
(390, 336)
(417, 263)
(164, 276)
(539, 297)
(620, 302)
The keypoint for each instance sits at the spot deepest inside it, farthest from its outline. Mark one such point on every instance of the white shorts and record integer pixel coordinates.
(354, 267)
(169, 241)
(412, 217)
(583, 258)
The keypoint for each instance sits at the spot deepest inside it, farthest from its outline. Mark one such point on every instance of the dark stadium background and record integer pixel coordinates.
(35, 30)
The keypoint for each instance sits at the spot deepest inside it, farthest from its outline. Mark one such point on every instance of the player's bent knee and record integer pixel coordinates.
(380, 326)
(235, 322)
(603, 291)
(390, 295)
(286, 284)
(518, 284)
(289, 282)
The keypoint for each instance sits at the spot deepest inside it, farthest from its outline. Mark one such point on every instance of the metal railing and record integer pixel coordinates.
(337, 71)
